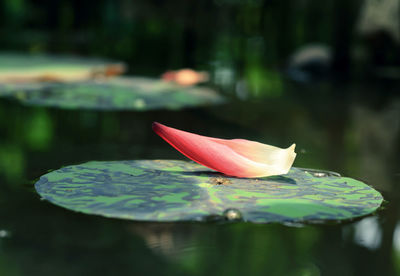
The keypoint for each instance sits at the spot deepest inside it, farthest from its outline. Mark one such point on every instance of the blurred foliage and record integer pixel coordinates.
(39, 131)
(251, 37)
(12, 162)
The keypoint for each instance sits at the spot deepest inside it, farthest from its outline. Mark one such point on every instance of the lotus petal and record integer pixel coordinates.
(185, 77)
(236, 157)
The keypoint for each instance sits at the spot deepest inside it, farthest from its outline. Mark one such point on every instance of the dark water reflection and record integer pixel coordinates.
(350, 135)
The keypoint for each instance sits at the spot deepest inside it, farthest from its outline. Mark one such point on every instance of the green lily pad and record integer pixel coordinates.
(16, 68)
(183, 191)
(122, 93)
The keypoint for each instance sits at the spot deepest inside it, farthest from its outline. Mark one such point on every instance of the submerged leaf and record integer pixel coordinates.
(236, 157)
(155, 190)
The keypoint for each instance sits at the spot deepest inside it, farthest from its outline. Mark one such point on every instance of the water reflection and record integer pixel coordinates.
(175, 242)
(396, 238)
(219, 248)
(4, 233)
(368, 233)
(376, 132)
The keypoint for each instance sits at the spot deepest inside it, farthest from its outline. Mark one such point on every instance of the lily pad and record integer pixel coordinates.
(122, 93)
(23, 68)
(168, 190)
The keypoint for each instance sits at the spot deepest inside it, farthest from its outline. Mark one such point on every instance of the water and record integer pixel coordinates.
(353, 137)
(345, 118)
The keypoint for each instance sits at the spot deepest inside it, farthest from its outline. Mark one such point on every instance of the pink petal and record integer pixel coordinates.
(185, 77)
(236, 157)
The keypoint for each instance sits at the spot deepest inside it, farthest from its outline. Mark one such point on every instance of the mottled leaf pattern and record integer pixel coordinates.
(167, 190)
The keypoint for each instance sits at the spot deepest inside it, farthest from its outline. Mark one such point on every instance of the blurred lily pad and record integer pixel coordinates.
(183, 191)
(24, 68)
(121, 93)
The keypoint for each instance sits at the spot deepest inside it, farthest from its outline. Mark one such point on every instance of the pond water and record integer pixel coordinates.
(345, 120)
(351, 135)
